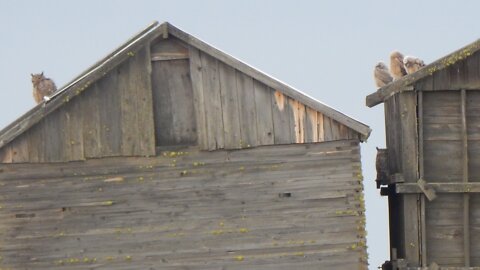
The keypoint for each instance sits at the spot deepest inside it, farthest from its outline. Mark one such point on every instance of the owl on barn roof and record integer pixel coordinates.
(412, 64)
(397, 68)
(42, 87)
(381, 75)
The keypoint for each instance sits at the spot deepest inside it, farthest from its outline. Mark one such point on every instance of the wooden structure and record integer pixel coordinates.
(170, 154)
(432, 125)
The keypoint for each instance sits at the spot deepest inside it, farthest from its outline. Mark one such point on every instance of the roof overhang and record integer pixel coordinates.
(407, 83)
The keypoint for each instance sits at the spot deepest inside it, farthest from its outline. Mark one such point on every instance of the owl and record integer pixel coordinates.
(397, 68)
(381, 75)
(42, 87)
(412, 64)
(381, 165)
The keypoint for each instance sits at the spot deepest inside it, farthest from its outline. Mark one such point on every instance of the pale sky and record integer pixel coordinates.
(326, 49)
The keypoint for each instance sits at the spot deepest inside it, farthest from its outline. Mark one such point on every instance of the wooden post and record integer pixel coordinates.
(409, 153)
(466, 196)
(423, 229)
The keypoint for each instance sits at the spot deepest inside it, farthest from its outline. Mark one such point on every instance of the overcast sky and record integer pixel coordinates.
(326, 49)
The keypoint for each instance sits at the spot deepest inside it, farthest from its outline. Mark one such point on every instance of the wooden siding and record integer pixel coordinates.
(169, 93)
(463, 74)
(236, 111)
(442, 230)
(273, 207)
(113, 117)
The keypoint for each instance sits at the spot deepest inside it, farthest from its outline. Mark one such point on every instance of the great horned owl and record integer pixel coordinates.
(381, 165)
(396, 65)
(42, 87)
(412, 64)
(381, 75)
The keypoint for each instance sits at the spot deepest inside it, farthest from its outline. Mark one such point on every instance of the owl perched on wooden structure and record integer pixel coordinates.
(397, 68)
(381, 165)
(42, 87)
(381, 75)
(412, 64)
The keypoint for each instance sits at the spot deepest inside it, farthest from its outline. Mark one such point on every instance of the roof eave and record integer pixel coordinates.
(406, 83)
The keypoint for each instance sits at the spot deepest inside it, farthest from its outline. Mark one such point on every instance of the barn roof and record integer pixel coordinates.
(407, 83)
(99, 69)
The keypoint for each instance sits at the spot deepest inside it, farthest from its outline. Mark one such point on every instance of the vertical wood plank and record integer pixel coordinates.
(302, 121)
(115, 116)
(163, 110)
(91, 121)
(421, 172)
(35, 137)
(311, 133)
(183, 113)
(142, 80)
(466, 196)
(6, 154)
(412, 152)
(213, 103)
(281, 112)
(327, 129)
(198, 96)
(246, 102)
(230, 110)
(298, 120)
(264, 119)
(18, 150)
(320, 127)
(54, 130)
(137, 124)
(74, 149)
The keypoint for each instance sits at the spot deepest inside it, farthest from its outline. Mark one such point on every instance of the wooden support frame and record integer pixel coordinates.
(425, 190)
(410, 188)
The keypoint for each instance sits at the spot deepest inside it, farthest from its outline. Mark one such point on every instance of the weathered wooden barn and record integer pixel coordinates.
(170, 154)
(432, 121)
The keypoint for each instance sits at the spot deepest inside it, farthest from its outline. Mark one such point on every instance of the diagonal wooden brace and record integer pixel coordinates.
(428, 191)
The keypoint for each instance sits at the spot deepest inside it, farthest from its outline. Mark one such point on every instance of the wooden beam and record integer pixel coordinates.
(165, 56)
(466, 196)
(406, 83)
(386, 92)
(469, 187)
(361, 128)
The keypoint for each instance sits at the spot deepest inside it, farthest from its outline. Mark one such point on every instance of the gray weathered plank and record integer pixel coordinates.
(91, 122)
(264, 117)
(281, 112)
(230, 109)
(311, 132)
(320, 127)
(113, 110)
(246, 102)
(74, 149)
(213, 102)
(198, 96)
